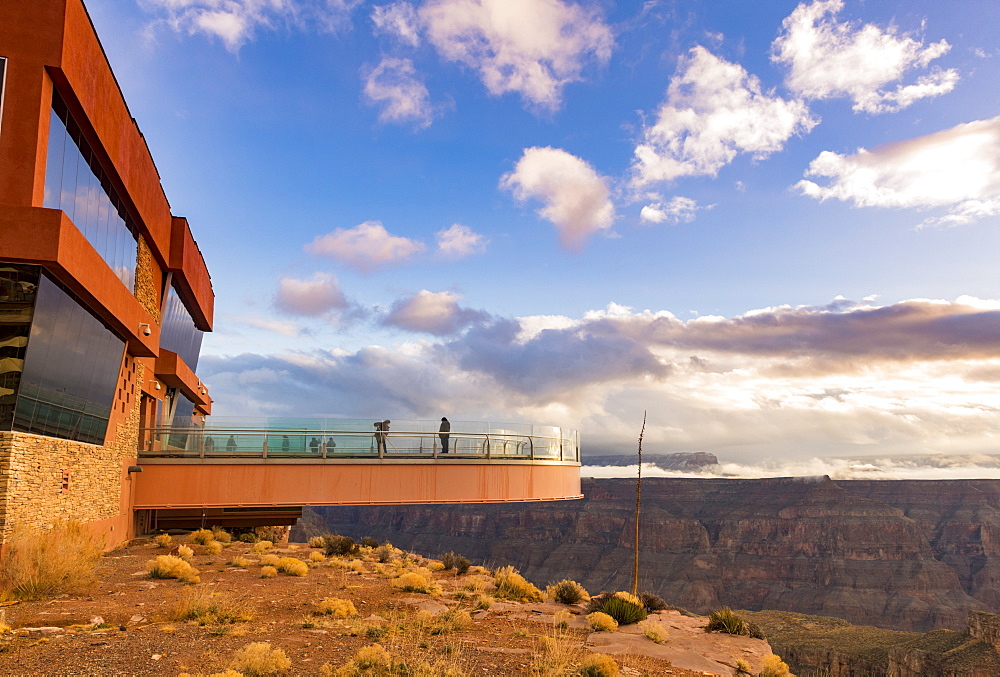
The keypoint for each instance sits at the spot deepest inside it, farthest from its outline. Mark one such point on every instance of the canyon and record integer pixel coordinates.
(907, 555)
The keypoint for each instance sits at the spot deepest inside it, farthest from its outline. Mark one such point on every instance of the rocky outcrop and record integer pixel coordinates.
(899, 554)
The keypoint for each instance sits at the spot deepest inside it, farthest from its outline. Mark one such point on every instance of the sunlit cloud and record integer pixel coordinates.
(435, 313)
(458, 241)
(530, 47)
(677, 210)
(395, 86)
(576, 198)
(957, 170)
(827, 59)
(714, 110)
(399, 20)
(366, 247)
(314, 296)
(236, 22)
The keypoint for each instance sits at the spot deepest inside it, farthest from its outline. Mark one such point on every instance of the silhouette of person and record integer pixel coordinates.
(284, 443)
(314, 445)
(443, 433)
(330, 444)
(231, 444)
(381, 432)
(209, 445)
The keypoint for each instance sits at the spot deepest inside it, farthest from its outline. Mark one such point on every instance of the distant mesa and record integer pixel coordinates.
(690, 460)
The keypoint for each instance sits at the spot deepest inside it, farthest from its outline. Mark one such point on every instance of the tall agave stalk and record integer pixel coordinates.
(638, 503)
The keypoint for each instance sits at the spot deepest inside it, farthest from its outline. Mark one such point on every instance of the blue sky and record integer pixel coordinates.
(773, 225)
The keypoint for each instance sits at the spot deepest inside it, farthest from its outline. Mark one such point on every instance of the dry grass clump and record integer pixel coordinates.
(417, 581)
(560, 619)
(206, 608)
(482, 601)
(555, 655)
(258, 658)
(772, 666)
(291, 566)
(384, 552)
(201, 536)
(334, 606)
(163, 540)
(221, 535)
(262, 546)
(512, 585)
(654, 631)
(168, 566)
(42, 562)
(227, 673)
(241, 562)
(316, 557)
(567, 592)
(213, 547)
(602, 622)
(316, 542)
(184, 552)
(728, 621)
(269, 560)
(599, 665)
(268, 572)
(743, 667)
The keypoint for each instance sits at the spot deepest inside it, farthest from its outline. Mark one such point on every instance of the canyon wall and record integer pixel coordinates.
(910, 555)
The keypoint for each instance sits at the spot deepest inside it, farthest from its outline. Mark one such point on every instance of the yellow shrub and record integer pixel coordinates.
(262, 546)
(334, 606)
(184, 552)
(163, 540)
(484, 601)
(268, 572)
(227, 673)
(241, 562)
(292, 566)
(201, 536)
(213, 547)
(208, 608)
(317, 542)
(168, 566)
(357, 565)
(601, 622)
(42, 562)
(599, 665)
(258, 658)
(269, 560)
(654, 631)
(567, 592)
(221, 535)
(369, 660)
(512, 585)
(316, 557)
(773, 666)
(436, 566)
(413, 581)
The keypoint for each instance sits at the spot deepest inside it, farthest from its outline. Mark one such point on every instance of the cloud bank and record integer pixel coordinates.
(365, 247)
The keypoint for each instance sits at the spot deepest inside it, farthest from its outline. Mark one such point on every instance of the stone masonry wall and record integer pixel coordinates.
(44, 479)
(147, 280)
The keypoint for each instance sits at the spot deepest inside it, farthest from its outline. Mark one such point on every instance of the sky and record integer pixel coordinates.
(771, 226)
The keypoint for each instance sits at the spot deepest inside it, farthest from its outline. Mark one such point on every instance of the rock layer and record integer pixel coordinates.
(912, 555)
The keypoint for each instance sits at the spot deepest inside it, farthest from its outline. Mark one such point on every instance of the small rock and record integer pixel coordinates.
(157, 656)
(137, 619)
(96, 620)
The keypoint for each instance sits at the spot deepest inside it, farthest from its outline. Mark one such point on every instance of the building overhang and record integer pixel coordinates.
(174, 372)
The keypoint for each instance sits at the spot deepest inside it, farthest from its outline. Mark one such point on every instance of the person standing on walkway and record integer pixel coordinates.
(444, 433)
(381, 432)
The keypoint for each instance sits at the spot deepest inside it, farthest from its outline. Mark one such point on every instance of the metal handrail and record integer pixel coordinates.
(295, 442)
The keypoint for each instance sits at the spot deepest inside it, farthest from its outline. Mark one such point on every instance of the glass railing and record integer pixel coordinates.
(317, 438)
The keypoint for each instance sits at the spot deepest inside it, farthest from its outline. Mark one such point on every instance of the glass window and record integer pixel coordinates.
(18, 286)
(3, 73)
(179, 333)
(76, 184)
(71, 369)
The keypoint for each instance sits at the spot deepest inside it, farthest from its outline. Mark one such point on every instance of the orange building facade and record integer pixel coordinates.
(104, 294)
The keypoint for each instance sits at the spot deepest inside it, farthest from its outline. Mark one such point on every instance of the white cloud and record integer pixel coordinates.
(531, 47)
(394, 85)
(314, 296)
(365, 247)
(957, 169)
(678, 210)
(827, 59)
(433, 313)
(285, 328)
(236, 22)
(714, 110)
(399, 20)
(576, 197)
(458, 241)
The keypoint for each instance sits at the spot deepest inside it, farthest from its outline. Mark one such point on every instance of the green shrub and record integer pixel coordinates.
(725, 620)
(337, 545)
(369, 542)
(221, 535)
(384, 552)
(249, 537)
(567, 592)
(317, 542)
(448, 560)
(462, 566)
(622, 606)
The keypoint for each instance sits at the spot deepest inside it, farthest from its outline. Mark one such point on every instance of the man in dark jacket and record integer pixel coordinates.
(443, 434)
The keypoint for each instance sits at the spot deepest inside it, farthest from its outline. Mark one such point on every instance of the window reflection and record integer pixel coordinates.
(178, 333)
(76, 184)
(69, 361)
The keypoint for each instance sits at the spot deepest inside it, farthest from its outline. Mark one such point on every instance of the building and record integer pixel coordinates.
(104, 294)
